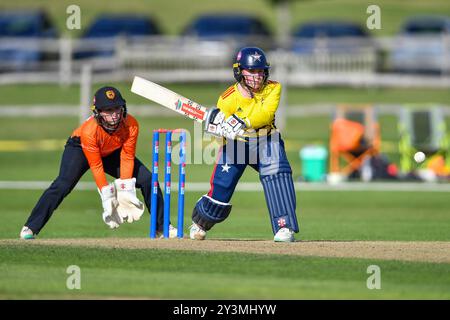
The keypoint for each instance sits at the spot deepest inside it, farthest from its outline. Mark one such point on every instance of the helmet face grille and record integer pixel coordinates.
(111, 125)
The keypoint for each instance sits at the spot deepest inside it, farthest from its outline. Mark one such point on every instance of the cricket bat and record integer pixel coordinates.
(169, 99)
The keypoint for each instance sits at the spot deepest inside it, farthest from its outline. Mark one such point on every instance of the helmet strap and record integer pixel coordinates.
(246, 88)
(250, 89)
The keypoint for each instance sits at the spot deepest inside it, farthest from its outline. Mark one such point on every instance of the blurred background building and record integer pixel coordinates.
(34, 37)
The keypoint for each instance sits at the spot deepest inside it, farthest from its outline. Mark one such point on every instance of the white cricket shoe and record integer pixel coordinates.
(284, 235)
(26, 233)
(196, 232)
(173, 232)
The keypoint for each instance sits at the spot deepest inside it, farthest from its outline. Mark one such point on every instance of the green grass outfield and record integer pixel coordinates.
(208, 93)
(33, 272)
(30, 148)
(30, 272)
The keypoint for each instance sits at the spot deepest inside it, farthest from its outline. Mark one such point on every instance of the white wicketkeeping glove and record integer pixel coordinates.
(110, 215)
(232, 127)
(130, 207)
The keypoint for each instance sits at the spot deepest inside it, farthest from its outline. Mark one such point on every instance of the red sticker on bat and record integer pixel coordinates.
(192, 111)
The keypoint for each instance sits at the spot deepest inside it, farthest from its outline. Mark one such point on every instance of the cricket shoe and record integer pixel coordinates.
(26, 233)
(284, 235)
(173, 232)
(196, 232)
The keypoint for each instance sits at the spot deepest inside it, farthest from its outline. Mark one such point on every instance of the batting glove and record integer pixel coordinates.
(110, 215)
(130, 207)
(232, 127)
(213, 122)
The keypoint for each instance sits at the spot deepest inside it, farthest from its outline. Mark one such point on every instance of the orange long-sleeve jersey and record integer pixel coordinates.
(97, 143)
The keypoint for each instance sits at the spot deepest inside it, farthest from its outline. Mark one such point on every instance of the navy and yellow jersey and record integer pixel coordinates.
(257, 112)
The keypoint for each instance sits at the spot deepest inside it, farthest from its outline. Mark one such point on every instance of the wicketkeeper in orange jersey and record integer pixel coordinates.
(105, 143)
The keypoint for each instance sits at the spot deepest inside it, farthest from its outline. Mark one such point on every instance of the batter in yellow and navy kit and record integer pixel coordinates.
(245, 116)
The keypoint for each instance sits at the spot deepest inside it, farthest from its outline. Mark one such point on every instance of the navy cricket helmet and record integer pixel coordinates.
(104, 98)
(250, 58)
(108, 97)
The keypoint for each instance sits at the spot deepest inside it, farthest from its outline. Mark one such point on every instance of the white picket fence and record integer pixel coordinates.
(349, 61)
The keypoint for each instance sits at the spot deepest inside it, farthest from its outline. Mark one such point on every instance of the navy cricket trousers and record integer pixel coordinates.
(73, 165)
(265, 154)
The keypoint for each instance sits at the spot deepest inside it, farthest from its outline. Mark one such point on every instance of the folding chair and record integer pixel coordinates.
(422, 130)
(355, 138)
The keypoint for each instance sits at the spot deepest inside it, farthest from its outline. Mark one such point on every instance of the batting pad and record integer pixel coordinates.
(207, 212)
(281, 201)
